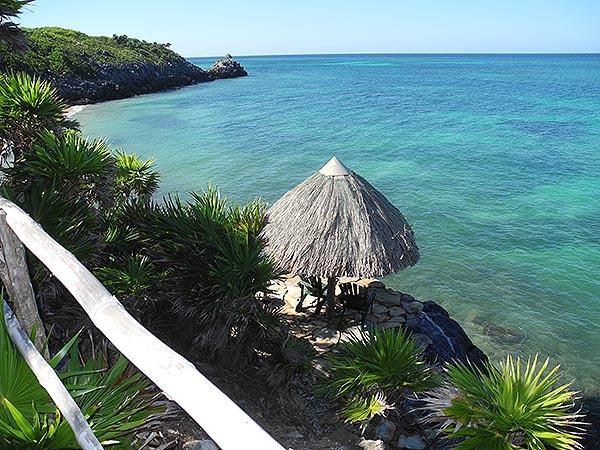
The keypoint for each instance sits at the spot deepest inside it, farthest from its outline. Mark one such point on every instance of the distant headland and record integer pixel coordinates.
(87, 69)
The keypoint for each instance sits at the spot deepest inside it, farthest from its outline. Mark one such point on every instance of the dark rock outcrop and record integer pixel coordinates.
(226, 68)
(449, 340)
(116, 82)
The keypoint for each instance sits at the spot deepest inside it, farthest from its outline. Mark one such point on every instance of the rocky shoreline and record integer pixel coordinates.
(441, 337)
(123, 81)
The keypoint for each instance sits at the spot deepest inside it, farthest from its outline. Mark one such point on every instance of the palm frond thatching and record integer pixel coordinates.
(337, 224)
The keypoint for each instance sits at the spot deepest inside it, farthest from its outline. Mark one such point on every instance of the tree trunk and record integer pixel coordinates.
(15, 277)
(331, 283)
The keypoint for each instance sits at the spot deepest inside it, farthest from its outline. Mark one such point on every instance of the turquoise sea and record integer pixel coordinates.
(494, 159)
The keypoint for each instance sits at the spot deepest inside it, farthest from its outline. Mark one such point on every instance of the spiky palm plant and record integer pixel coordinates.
(289, 356)
(85, 167)
(10, 33)
(136, 178)
(28, 106)
(65, 182)
(130, 276)
(115, 403)
(517, 406)
(375, 365)
(213, 255)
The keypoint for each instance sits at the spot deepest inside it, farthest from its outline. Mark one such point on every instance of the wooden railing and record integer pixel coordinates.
(224, 421)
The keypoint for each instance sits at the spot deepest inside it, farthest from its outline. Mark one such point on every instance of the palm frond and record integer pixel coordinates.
(518, 405)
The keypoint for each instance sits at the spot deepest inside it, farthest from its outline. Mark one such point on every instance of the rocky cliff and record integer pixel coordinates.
(87, 69)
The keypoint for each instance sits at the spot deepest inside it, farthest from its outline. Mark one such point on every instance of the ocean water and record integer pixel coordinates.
(494, 159)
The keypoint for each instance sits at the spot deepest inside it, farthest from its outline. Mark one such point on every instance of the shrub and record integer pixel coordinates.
(115, 405)
(518, 406)
(83, 168)
(10, 33)
(28, 106)
(65, 182)
(130, 276)
(375, 366)
(289, 356)
(135, 178)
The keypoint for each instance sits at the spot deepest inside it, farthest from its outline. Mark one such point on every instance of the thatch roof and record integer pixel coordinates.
(336, 224)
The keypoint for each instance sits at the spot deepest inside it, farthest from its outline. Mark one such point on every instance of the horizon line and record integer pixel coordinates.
(396, 53)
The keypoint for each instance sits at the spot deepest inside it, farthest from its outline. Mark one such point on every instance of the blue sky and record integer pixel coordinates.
(200, 28)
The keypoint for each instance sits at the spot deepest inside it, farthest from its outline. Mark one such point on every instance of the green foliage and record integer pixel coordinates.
(518, 406)
(69, 53)
(70, 221)
(214, 261)
(10, 33)
(364, 408)
(131, 276)
(136, 179)
(374, 365)
(114, 404)
(28, 106)
(289, 356)
(63, 181)
(211, 248)
(82, 166)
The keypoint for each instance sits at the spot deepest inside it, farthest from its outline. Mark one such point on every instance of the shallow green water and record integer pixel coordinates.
(495, 160)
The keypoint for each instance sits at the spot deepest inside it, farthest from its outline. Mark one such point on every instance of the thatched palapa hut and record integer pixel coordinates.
(335, 224)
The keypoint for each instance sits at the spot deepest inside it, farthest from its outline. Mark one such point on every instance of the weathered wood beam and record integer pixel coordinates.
(15, 277)
(226, 423)
(51, 382)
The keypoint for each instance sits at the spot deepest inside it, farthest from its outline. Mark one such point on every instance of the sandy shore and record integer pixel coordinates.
(72, 110)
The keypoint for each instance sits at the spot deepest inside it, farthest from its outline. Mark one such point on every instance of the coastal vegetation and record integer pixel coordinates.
(86, 68)
(518, 405)
(115, 400)
(70, 53)
(375, 369)
(10, 33)
(194, 270)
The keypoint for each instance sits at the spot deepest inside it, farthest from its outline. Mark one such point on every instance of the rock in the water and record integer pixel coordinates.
(411, 442)
(450, 341)
(422, 340)
(367, 444)
(204, 444)
(407, 297)
(386, 431)
(226, 68)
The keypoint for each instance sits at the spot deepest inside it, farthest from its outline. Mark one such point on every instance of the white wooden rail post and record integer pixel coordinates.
(51, 382)
(15, 277)
(226, 423)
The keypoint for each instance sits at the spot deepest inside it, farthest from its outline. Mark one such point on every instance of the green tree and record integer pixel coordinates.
(9, 29)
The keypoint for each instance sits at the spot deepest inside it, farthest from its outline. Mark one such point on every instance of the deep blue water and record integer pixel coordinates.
(494, 159)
